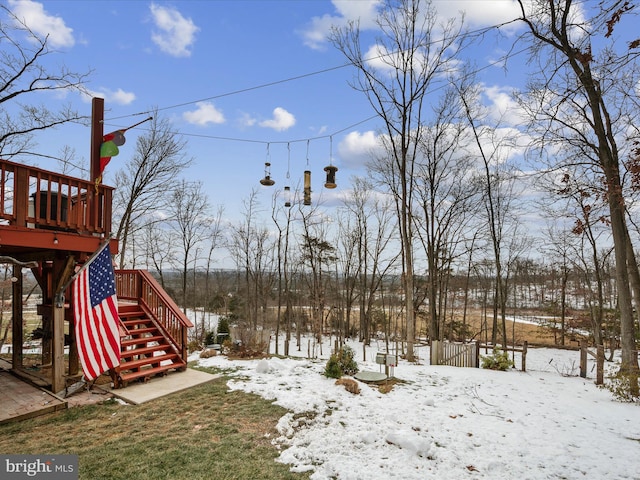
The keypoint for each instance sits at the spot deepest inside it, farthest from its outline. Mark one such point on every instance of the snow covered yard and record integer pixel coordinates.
(447, 422)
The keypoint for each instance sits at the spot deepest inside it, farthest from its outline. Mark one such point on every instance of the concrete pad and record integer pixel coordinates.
(370, 377)
(160, 386)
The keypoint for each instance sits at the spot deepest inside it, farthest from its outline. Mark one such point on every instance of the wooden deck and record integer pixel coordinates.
(49, 222)
(43, 212)
(20, 400)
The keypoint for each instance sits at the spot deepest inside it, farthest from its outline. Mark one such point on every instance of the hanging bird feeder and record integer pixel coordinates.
(287, 189)
(331, 170)
(331, 176)
(266, 181)
(307, 187)
(287, 196)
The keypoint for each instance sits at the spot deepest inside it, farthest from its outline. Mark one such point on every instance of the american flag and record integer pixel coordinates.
(95, 309)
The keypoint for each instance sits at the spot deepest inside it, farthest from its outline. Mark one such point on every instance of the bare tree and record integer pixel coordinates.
(367, 233)
(577, 101)
(249, 245)
(447, 198)
(188, 213)
(146, 183)
(283, 262)
(350, 253)
(25, 73)
(318, 254)
(496, 181)
(157, 242)
(412, 51)
(214, 236)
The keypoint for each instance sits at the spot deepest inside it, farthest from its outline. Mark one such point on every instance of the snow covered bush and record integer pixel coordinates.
(499, 360)
(620, 386)
(341, 363)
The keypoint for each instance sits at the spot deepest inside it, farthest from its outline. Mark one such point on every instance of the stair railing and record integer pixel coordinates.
(140, 286)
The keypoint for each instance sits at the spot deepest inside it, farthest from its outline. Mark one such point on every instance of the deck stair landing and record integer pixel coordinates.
(146, 351)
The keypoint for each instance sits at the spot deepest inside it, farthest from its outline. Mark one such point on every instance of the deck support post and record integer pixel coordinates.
(17, 325)
(58, 382)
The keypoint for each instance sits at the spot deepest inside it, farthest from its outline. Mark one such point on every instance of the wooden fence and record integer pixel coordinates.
(522, 350)
(599, 356)
(454, 354)
(467, 354)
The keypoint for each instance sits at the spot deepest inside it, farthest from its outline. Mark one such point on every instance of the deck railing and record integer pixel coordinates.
(36, 198)
(140, 286)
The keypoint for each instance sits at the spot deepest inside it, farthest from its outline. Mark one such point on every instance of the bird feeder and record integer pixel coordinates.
(331, 176)
(266, 181)
(287, 196)
(307, 187)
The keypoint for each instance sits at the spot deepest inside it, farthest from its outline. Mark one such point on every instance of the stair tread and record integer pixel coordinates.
(132, 315)
(137, 321)
(148, 361)
(143, 346)
(144, 350)
(138, 331)
(127, 342)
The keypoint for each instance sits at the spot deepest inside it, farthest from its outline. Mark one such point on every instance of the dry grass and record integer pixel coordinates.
(520, 332)
(201, 433)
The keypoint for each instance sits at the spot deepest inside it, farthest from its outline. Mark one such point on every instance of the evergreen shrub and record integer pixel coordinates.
(498, 361)
(341, 363)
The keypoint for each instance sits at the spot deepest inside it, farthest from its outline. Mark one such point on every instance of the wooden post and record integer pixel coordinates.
(433, 356)
(58, 383)
(524, 355)
(17, 326)
(97, 134)
(185, 343)
(21, 198)
(74, 360)
(583, 358)
(600, 365)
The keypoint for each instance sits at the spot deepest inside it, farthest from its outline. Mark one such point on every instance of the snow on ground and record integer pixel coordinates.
(446, 422)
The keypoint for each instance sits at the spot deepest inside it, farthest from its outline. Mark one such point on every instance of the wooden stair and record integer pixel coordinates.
(145, 350)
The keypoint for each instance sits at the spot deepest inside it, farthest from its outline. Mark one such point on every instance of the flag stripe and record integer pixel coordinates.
(96, 316)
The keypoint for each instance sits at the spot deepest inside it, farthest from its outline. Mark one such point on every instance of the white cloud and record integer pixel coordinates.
(246, 120)
(364, 11)
(205, 114)
(175, 34)
(480, 14)
(502, 107)
(282, 120)
(41, 23)
(356, 149)
(118, 97)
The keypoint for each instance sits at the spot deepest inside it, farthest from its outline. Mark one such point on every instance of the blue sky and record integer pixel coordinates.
(239, 78)
(201, 63)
